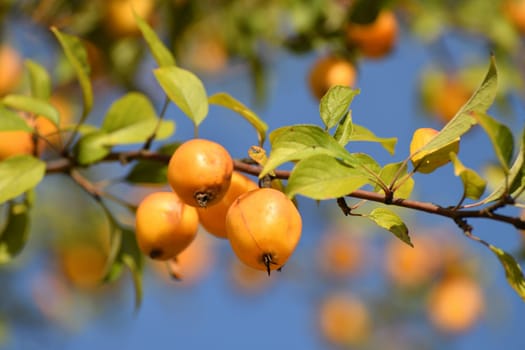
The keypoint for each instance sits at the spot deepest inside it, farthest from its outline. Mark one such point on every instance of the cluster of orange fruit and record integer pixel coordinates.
(373, 40)
(262, 225)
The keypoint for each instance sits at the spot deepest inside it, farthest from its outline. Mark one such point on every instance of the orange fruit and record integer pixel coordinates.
(165, 225)
(213, 218)
(376, 39)
(514, 11)
(328, 71)
(49, 131)
(455, 304)
(16, 142)
(344, 319)
(11, 69)
(428, 161)
(340, 254)
(119, 19)
(263, 227)
(411, 267)
(200, 172)
(83, 264)
(449, 99)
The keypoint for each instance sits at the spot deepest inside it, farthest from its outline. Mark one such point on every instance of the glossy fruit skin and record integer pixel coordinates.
(200, 172)
(213, 218)
(427, 162)
(165, 225)
(14, 143)
(328, 71)
(263, 227)
(377, 39)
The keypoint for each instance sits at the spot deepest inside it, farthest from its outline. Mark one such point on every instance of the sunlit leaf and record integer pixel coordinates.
(473, 184)
(92, 147)
(225, 100)
(390, 221)
(293, 143)
(514, 181)
(39, 80)
(19, 174)
(184, 89)
(323, 177)
(501, 138)
(160, 52)
(428, 161)
(360, 133)
(132, 119)
(10, 121)
(513, 270)
(479, 102)
(77, 57)
(32, 105)
(397, 170)
(335, 104)
(343, 132)
(16, 231)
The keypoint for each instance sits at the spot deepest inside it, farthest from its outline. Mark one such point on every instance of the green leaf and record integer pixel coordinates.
(390, 221)
(11, 121)
(390, 171)
(293, 143)
(479, 102)
(32, 105)
(77, 56)
(92, 147)
(360, 133)
(473, 184)
(335, 104)
(39, 80)
(225, 100)
(343, 132)
(501, 138)
(322, 177)
(513, 270)
(160, 52)
(184, 89)
(152, 171)
(514, 180)
(19, 174)
(129, 255)
(16, 231)
(132, 119)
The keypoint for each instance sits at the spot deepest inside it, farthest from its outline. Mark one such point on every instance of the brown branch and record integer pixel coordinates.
(66, 165)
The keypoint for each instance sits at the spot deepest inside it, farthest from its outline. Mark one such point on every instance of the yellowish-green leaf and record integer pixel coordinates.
(160, 52)
(16, 231)
(39, 80)
(11, 121)
(77, 56)
(343, 132)
(225, 100)
(33, 105)
(293, 143)
(473, 184)
(397, 170)
(501, 138)
(390, 221)
(360, 133)
(323, 177)
(92, 147)
(184, 89)
(19, 174)
(513, 270)
(335, 104)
